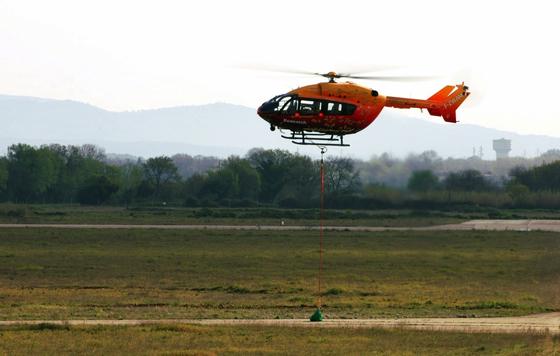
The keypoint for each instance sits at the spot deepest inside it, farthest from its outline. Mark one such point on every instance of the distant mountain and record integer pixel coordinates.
(224, 129)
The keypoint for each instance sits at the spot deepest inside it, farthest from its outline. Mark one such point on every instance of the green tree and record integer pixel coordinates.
(423, 181)
(273, 168)
(158, 172)
(3, 178)
(97, 190)
(247, 179)
(130, 178)
(31, 172)
(467, 181)
(193, 188)
(340, 176)
(284, 175)
(544, 177)
(77, 165)
(517, 191)
(220, 184)
(301, 180)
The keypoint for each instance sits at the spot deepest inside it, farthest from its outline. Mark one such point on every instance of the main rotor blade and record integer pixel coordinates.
(349, 71)
(355, 75)
(277, 69)
(404, 78)
(356, 70)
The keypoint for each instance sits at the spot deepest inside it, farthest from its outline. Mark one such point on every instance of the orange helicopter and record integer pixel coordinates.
(323, 113)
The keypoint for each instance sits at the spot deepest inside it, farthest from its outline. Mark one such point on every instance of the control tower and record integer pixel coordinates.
(502, 148)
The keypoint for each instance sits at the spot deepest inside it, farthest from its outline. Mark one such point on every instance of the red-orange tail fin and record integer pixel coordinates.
(449, 99)
(443, 93)
(444, 103)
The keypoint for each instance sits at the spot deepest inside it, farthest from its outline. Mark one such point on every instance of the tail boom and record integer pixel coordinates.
(444, 103)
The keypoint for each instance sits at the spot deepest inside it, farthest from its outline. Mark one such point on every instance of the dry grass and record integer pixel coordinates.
(75, 214)
(66, 274)
(248, 340)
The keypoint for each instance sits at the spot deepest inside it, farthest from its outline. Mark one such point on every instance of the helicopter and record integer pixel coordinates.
(323, 113)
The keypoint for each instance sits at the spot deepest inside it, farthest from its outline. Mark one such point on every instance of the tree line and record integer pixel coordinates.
(83, 174)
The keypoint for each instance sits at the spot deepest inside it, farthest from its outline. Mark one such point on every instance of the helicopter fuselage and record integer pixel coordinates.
(346, 108)
(332, 108)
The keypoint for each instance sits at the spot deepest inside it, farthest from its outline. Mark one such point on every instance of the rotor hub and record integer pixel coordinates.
(331, 75)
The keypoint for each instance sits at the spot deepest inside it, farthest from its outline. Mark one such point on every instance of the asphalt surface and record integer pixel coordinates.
(490, 225)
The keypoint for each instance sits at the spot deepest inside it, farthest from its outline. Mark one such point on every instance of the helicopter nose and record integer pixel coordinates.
(268, 107)
(262, 112)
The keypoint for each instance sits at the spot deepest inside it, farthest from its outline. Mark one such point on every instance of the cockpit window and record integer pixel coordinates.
(290, 107)
(283, 101)
(331, 108)
(276, 104)
(314, 106)
(309, 106)
(276, 98)
(289, 104)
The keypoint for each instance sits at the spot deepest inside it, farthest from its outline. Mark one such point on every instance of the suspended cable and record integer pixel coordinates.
(318, 315)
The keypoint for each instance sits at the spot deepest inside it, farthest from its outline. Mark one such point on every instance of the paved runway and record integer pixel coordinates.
(540, 323)
(494, 225)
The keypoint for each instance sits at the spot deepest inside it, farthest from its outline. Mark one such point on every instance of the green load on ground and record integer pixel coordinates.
(317, 316)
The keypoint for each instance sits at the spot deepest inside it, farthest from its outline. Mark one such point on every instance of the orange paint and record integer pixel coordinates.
(346, 108)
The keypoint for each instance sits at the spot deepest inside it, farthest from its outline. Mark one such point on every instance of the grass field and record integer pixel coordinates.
(69, 274)
(205, 340)
(75, 214)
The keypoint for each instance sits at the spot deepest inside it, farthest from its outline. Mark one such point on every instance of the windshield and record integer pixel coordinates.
(284, 103)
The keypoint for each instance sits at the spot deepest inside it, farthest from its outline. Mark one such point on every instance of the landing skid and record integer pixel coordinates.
(315, 139)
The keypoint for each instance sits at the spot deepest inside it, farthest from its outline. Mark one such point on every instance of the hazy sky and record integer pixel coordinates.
(128, 55)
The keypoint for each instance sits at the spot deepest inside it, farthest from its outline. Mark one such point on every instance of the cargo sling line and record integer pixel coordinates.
(318, 315)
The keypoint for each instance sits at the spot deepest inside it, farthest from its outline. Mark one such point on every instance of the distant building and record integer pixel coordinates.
(502, 148)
